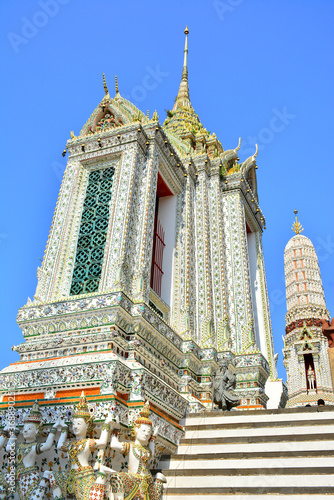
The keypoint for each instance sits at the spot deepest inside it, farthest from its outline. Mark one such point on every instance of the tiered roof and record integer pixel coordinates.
(111, 113)
(182, 126)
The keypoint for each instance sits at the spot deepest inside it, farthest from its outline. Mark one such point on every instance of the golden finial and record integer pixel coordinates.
(148, 114)
(137, 117)
(118, 95)
(105, 85)
(155, 117)
(296, 226)
(186, 31)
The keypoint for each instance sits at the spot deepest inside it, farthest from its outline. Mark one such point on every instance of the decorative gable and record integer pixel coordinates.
(305, 337)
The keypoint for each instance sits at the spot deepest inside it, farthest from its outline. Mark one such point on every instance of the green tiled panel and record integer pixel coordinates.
(93, 230)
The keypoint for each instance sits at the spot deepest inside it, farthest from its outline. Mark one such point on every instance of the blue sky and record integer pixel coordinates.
(259, 70)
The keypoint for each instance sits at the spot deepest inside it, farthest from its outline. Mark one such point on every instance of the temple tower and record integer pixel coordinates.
(305, 347)
(153, 272)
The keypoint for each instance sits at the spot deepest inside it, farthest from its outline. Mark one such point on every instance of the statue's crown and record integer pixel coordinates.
(34, 416)
(81, 410)
(144, 416)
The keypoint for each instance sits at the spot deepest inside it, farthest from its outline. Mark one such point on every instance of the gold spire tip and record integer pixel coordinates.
(183, 93)
(296, 226)
(116, 85)
(105, 85)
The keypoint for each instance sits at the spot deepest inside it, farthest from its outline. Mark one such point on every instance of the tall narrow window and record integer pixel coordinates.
(157, 254)
(92, 234)
(163, 241)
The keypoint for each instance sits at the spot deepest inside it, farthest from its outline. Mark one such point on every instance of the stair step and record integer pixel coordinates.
(316, 436)
(261, 415)
(228, 448)
(252, 481)
(259, 432)
(242, 464)
(295, 492)
(258, 424)
(248, 455)
(200, 495)
(261, 471)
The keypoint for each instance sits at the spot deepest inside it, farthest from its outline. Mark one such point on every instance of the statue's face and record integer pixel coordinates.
(29, 431)
(144, 433)
(79, 427)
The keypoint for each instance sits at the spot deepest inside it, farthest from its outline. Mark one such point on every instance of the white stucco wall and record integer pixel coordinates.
(259, 326)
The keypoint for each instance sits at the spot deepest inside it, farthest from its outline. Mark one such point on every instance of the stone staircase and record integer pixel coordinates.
(260, 453)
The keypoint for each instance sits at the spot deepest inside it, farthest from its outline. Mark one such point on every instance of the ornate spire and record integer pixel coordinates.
(184, 124)
(118, 95)
(183, 94)
(106, 97)
(105, 85)
(305, 296)
(296, 226)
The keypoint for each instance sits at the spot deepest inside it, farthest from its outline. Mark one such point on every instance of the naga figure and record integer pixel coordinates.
(30, 485)
(224, 382)
(138, 481)
(81, 480)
